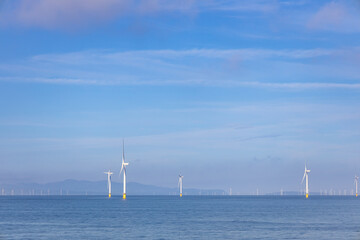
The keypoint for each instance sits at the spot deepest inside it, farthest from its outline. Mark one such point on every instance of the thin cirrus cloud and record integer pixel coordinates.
(50, 14)
(75, 14)
(278, 85)
(217, 67)
(168, 55)
(336, 16)
(263, 6)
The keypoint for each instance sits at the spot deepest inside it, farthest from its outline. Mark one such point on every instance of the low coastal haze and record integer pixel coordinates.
(231, 94)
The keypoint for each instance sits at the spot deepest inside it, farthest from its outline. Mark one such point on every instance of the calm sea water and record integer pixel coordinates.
(169, 217)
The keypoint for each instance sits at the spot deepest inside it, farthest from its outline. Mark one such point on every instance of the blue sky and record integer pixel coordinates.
(231, 93)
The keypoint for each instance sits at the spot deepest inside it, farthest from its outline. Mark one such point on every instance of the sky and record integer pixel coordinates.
(229, 93)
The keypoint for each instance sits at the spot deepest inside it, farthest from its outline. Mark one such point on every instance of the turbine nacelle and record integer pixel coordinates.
(123, 167)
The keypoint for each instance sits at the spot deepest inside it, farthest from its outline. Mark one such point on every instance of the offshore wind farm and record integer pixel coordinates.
(179, 119)
(93, 187)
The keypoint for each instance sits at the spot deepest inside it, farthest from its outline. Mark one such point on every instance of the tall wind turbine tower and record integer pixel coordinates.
(356, 185)
(109, 173)
(123, 168)
(180, 184)
(306, 177)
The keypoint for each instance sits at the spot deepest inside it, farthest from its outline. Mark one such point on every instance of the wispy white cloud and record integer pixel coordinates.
(73, 14)
(307, 85)
(65, 13)
(243, 6)
(338, 16)
(295, 125)
(246, 54)
(282, 68)
(191, 82)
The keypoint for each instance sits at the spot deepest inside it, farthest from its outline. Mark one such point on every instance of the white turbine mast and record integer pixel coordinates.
(123, 169)
(109, 173)
(356, 181)
(180, 184)
(306, 177)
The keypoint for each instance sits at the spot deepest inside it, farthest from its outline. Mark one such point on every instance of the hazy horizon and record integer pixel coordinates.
(85, 187)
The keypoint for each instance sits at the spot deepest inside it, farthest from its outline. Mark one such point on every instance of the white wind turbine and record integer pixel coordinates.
(356, 185)
(123, 168)
(109, 173)
(180, 184)
(306, 177)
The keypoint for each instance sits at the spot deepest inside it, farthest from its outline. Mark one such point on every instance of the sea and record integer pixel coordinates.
(172, 217)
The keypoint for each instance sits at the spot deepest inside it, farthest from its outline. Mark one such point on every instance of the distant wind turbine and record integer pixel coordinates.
(306, 177)
(180, 184)
(109, 173)
(356, 185)
(123, 168)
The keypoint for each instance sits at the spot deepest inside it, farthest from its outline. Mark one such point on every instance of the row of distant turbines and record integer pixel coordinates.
(180, 183)
(306, 177)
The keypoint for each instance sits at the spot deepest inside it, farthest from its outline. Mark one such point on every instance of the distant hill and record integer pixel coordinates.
(75, 187)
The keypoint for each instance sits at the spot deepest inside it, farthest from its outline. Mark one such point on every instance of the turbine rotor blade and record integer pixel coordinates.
(123, 155)
(303, 177)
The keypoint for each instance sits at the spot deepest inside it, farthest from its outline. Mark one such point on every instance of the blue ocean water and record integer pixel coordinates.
(171, 217)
